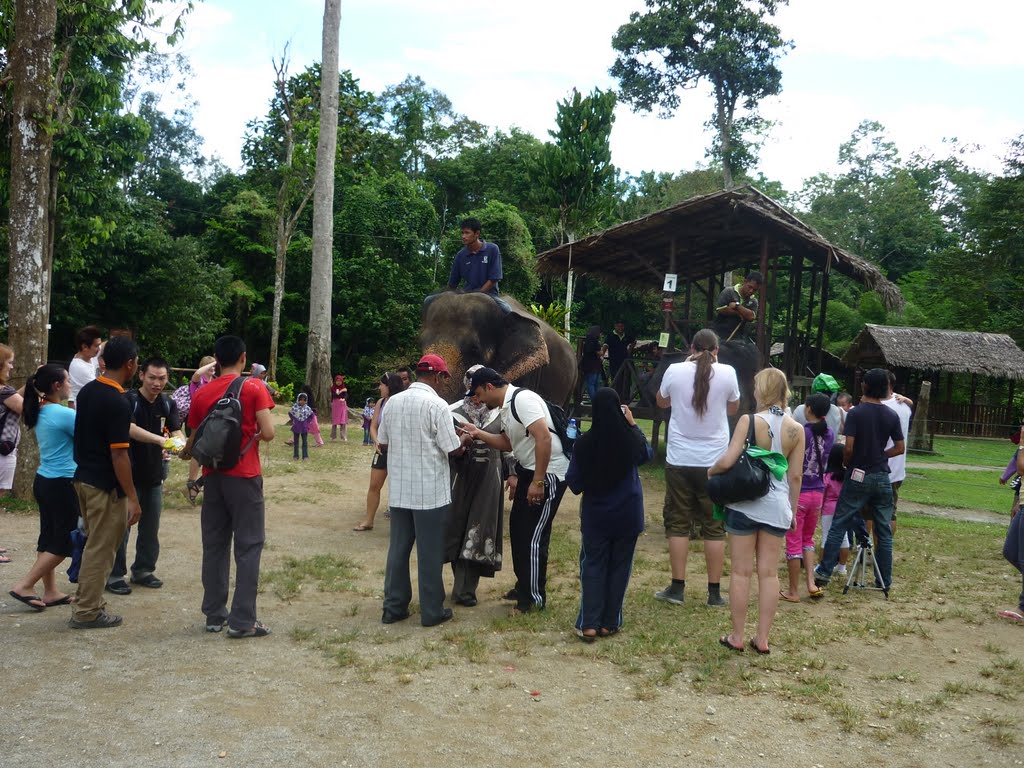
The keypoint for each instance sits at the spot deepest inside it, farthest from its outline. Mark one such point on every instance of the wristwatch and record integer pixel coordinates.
(538, 482)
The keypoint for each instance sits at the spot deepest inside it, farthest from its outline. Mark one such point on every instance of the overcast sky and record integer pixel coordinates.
(925, 70)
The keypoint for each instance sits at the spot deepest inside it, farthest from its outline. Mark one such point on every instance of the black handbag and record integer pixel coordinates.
(746, 480)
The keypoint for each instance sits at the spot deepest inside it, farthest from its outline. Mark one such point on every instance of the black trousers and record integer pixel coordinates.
(529, 530)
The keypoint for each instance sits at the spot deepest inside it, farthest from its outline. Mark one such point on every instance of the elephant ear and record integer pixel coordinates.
(522, 349)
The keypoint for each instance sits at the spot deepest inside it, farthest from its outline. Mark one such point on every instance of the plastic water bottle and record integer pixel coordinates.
(572, 431)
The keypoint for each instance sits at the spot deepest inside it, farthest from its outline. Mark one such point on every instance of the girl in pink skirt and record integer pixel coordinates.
(339, 408)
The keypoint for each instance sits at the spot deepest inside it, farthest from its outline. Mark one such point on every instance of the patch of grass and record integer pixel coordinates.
(911, 726)
(330, 573)
(975, 453)
(15, 506)
(846, 714)
(960, 490)
(469, 645)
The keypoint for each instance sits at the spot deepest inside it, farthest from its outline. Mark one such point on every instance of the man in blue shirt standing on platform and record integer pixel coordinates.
(478, 264)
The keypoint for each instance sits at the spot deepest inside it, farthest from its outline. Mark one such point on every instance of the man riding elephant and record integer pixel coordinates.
(736, 308)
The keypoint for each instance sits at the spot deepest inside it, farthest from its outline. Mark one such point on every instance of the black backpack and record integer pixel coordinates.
(218, 438)
(558, 418)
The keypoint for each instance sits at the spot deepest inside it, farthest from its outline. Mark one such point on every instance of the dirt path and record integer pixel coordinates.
(952, 467)
(159, 691)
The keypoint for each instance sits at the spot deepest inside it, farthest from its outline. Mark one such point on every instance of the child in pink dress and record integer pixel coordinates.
(339, 408)
(834, 474)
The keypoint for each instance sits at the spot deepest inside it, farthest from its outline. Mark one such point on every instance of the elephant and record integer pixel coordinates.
(470, 328)
(740, 354)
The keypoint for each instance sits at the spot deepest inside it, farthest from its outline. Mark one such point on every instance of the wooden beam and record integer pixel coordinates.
(650, 267)
(668, 295)
(762, 296)
(823, 307)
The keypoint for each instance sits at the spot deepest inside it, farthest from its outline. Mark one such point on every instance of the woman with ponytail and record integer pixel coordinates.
(54, 425)
(702, 393)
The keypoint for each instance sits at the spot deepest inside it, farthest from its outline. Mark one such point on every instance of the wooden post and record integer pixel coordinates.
(762, 295)
(668, 296)
(687, 297)
(973, 410)
(822, 309)
(770, 325)
(794, 334)
(1009, 406)
(921, 435)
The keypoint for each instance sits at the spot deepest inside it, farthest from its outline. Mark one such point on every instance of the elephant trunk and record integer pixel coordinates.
(451, 389)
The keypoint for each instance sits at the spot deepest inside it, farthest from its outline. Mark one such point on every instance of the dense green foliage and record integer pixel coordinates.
(152, 237)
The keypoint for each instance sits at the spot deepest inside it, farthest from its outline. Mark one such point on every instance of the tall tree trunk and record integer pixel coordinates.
(724, 134)
(318, 350)
(31, 69)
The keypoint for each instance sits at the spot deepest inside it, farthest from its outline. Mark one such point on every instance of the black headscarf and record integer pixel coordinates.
(610, 449)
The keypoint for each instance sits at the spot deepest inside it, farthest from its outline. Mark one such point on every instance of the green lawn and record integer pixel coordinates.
(979, 453)
(960, 490)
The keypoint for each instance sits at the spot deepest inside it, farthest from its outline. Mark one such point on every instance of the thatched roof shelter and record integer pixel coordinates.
(712, 234)
(994, 355)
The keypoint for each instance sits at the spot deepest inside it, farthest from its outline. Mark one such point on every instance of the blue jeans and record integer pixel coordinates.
(592, 381)
(1013, 547)
(876, 491)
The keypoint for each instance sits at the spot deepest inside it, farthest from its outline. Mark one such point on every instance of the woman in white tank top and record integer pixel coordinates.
(758, 526)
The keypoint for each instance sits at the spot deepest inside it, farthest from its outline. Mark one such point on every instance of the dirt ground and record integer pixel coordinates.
(159, 691)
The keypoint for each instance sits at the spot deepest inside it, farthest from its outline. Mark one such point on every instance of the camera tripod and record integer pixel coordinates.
(858, 578)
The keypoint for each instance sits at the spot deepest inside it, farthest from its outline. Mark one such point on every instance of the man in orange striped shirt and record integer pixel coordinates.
(103, 479)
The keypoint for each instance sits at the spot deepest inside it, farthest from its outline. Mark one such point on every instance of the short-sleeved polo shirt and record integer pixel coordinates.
(102, 420)
(254, 397)
(477, 268)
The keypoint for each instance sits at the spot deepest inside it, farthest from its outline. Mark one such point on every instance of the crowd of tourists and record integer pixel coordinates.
(105, 447)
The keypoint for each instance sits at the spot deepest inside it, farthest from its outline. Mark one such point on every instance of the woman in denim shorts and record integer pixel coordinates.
(757, 527)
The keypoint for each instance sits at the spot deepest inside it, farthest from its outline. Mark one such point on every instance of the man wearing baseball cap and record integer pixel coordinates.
(528, 432)
(418, 434)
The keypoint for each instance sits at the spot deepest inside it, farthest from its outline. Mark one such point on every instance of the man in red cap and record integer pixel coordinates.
(418, 434)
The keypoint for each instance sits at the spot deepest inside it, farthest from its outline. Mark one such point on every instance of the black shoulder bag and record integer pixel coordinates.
(746, 480)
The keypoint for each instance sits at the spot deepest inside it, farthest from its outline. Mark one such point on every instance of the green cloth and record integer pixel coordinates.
(824, 383)
(776, 463)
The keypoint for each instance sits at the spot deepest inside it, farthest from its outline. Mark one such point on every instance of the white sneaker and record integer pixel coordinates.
(840, 569)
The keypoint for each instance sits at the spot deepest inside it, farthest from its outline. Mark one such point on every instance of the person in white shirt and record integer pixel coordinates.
(702, 394)
(85, 365)
(528, 432)
(418, 434)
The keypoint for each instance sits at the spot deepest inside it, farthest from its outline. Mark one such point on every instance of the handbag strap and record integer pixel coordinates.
(750, 434)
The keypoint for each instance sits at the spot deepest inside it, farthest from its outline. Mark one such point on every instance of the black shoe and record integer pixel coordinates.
(394, 618)
(119, 587)
(446, 615)
(216, 625)
(149, 580)
(103, 621)
(511, 595)
(257, 630)
(468, 601)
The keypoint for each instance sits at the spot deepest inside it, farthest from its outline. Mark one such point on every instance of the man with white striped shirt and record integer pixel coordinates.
(528, 431)
(418, 434)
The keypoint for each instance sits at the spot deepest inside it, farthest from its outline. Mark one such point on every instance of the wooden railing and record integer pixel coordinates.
(971, 420)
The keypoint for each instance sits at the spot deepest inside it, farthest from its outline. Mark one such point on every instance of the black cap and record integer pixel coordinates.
(483, 376)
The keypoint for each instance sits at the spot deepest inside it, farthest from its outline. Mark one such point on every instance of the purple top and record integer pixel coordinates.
(1011, 468)
(814, 470)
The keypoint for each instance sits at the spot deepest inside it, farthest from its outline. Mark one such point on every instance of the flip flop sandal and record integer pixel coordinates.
(5, 559)
(1014, 616)
(788, 599)
(363, 527)
(28, 600)
(724, 642)
(765, 652)
(816, 594)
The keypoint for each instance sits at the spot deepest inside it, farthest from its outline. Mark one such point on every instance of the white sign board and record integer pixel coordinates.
(670, 283)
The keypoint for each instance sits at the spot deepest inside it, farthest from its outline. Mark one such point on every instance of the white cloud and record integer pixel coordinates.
(975, 35)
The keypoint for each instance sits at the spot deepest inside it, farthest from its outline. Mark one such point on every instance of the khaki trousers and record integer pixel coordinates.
(106, 520)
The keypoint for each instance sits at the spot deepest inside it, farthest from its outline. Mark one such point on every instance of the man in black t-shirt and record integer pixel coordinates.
(156, 415)
(103, 480)
(737, 307)
(868, 429)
